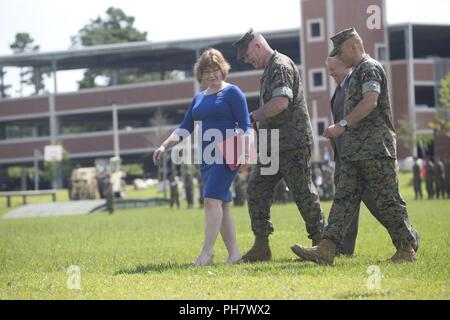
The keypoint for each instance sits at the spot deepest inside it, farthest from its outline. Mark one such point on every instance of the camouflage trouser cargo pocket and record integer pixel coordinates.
(295, 168)
(379, 178)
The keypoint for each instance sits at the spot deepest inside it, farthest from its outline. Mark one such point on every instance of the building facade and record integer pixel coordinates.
(415, 57)
(140, 116)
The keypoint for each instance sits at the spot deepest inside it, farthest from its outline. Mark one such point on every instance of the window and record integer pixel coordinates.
(425, 96)
(397, 46)
(322, 124)
(85, 123)
(320, 127)
(315, 30)
(317, 79)
(24, 129)
(380, 52)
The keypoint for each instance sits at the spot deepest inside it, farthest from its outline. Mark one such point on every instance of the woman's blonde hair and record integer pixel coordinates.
(211, 58)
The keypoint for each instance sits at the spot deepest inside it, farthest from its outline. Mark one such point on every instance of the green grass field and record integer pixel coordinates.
(146, 254)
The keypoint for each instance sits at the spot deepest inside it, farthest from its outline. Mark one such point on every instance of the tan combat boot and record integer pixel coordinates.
(315, 242)
(406, 254)
(323, 253)
(260, 250)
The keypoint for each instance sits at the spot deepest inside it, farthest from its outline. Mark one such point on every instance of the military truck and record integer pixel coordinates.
(108, 172)
(83, 184)
(105, 177)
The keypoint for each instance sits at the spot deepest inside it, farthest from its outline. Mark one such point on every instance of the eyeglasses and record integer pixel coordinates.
(209, 71)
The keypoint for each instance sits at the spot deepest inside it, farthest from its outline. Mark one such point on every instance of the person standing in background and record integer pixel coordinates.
(189, 189)
(174, 194)
(439, 179)
(447, 175)
(429, 177)
(417, 179)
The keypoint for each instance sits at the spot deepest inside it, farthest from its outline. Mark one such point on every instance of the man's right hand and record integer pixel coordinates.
(157, 154)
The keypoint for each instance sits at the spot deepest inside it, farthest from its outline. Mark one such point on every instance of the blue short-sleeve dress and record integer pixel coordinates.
(226, 109)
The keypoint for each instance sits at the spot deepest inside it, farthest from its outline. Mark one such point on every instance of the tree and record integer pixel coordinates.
(158, 120)
(23, 173)
(23, 43)
(30, 76)
(88, 80)
(405, 134)
(134, 169)
(441, 123)
(406, 138)
(117, 27)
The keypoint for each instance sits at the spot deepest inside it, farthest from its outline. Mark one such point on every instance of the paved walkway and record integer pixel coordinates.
(54, 209)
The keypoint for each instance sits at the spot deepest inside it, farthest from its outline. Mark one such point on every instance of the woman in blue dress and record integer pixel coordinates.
(221, 107)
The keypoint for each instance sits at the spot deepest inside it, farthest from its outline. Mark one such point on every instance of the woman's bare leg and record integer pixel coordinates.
(228, 232)
(213, 221)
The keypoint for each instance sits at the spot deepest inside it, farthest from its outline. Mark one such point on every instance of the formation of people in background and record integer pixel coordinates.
(433, 176)
(190, 184)
(436, 175)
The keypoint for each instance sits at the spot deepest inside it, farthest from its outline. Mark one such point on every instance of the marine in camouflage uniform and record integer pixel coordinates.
(429, 178)
(417, 179)
(328, 181)
(189, 189)
(439, 179)
(281, 79)
(337, 103)
(368, 159)
(447, 176)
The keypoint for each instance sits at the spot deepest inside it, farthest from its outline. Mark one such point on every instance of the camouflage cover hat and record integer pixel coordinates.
(242, 44)
(339, 38)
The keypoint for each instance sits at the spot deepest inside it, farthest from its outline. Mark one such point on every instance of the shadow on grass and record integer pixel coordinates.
(284, 266)
(366, 294)
(298, 267)
(281, 265)
(155, 267)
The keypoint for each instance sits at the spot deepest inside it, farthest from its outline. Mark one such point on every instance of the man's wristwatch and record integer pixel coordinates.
(343, 123)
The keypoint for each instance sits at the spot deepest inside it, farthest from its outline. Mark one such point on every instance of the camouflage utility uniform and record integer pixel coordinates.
(347, 246)
(439, 179)
(447, 176)
(368, 159)
(417, 181)
(281, 78)
(429, 178)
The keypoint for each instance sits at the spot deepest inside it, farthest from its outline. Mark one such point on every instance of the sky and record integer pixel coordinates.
(52, 22)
